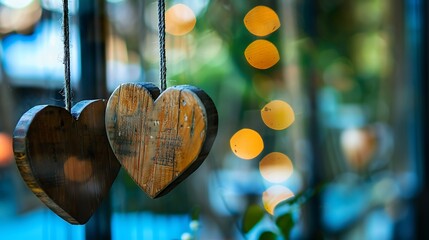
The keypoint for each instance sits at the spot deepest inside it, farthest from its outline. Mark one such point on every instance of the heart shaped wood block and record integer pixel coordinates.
(66, 159)
(160, 139)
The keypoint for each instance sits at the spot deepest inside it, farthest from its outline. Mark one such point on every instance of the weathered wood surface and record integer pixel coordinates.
(160, 139)
(66, 159)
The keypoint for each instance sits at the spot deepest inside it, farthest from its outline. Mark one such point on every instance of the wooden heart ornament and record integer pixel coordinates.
(66, 159)
(160, 139)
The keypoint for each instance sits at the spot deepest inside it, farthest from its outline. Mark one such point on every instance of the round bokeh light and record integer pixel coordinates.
(275, 195)
(262, 54)
(179, 20)
(261, 21)
(246, 144)
(277, 115)
(276, 167)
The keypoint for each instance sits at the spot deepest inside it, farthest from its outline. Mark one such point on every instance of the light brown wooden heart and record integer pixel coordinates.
(66, 159)
(160, 139)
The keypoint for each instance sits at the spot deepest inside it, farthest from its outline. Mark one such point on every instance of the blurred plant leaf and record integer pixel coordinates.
(268, 236)
(252, 216)
(304, 196)
(285, 223)
(295, 199)
(195, 215)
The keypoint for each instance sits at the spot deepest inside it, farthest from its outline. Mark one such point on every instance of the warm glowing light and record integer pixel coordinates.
(6, 150)
(77, 170)
(261, 21)
(262, 54)
(276, 167)
(246, 143)
(359, 146)
(179, 20)
(277, 115)
(275, 195)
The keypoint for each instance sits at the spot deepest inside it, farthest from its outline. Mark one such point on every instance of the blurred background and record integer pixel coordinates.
(349, 78)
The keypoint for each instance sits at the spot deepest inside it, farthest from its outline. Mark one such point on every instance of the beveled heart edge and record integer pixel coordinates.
(24, 166)
(212, 128)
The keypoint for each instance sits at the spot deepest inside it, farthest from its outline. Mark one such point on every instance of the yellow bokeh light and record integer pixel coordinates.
(246, 143)
(275, 195)
(261, 21)
(262, 54)
(277, 115)
(179, 20)
(276, 167)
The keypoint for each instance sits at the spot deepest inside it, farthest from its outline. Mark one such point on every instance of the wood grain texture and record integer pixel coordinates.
(66, 159)
(160, 139)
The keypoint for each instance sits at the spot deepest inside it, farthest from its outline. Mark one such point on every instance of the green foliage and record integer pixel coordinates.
(268, 236)
(285, 224)
(304, 196)
(252, 216)
(195, 215)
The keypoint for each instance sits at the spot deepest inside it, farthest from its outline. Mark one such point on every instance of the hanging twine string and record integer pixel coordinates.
(66, 60)
(162, 54)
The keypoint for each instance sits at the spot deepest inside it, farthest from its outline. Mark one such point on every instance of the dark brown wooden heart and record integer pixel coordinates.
(160, 139)
(66, 159)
